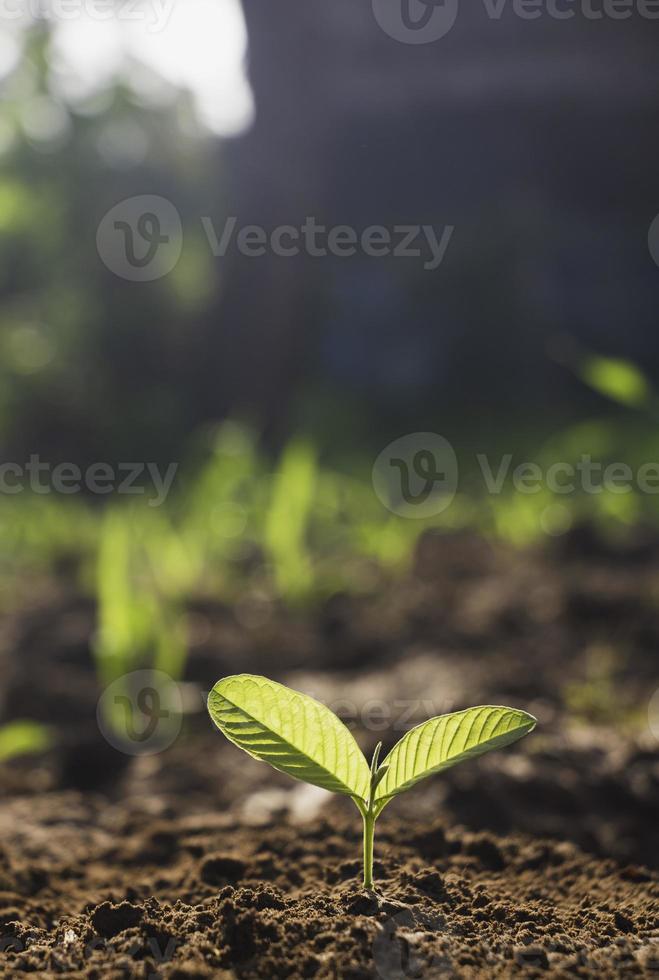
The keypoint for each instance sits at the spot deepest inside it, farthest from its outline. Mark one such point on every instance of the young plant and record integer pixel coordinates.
(301, 737)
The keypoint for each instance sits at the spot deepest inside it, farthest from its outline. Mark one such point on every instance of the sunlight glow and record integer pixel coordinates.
(203, 47)
(195, 44)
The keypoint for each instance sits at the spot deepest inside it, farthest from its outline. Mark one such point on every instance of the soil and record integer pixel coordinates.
(540, 860)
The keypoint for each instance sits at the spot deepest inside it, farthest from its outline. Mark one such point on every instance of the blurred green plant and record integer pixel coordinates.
(617, 379)
(23, 738)
(626, 438)
(141, 581)
(287, 521)
(595, 697)
(293, 530)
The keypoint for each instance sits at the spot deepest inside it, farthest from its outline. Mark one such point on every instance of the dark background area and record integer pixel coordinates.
(537, 140)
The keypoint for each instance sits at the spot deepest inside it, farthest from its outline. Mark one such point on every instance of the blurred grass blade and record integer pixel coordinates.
(292, 732)
(289, 513)
(115, 594)
(23, 738)
(619, 380)
(447, 740)
(171, 650)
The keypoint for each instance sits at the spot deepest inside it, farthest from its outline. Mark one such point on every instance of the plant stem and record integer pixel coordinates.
(369, 830)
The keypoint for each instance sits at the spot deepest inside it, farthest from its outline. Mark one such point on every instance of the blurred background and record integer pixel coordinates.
(535, 140)
(273, 383)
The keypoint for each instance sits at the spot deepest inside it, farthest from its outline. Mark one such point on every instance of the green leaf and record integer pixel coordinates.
(292, 732)
(444, 741)
(619, 380)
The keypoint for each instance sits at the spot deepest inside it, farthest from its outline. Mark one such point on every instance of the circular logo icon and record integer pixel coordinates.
(416, 476)
(141, 712)
(416, 21)
(396, 955)
(653, 714)
(653, 240)
(141, 238)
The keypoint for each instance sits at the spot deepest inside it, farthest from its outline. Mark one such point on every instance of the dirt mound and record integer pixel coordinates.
(197, 862)
(114, 892)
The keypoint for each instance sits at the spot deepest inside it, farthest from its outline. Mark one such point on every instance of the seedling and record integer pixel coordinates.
(301, 737)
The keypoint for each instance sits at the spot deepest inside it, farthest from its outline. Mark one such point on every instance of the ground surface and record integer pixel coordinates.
(198, 862)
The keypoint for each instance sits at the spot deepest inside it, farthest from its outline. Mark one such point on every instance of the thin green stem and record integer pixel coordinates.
(369, 833)
(370, 812)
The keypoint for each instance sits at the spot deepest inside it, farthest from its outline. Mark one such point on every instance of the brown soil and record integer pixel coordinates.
(199, 862)
(98, 891)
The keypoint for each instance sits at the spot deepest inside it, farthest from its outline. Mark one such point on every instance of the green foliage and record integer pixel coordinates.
(141, 579)
(619, 380)
(296, 531)
(288, 516)
(595, 696)
(292, 732)
(302, 738)
(447, 740)
(240, 528)
(23, 738)
(125, 613)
